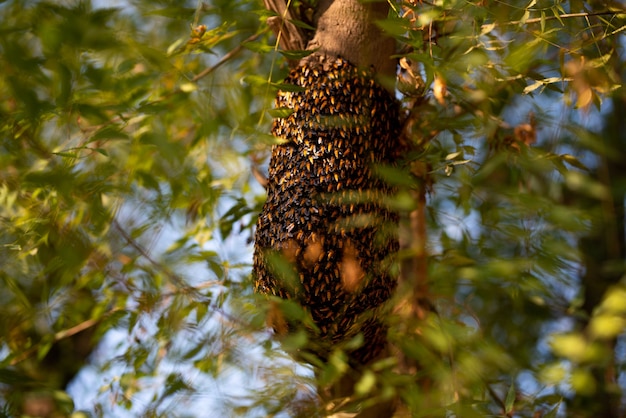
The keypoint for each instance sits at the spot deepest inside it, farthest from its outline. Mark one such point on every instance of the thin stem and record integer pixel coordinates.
(227, 57)
(563, 16)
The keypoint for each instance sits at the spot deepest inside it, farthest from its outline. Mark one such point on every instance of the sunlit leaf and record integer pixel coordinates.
(607, 326)
(509, 401)
(583, 382)
(295, 55)
(365, 384)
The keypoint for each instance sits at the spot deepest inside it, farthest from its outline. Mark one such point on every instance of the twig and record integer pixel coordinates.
(187, 290)
(78, 328)
(496, 397)
(228, 56)
(130, 241)
(563, 16)
(66, 333)
(260, 177)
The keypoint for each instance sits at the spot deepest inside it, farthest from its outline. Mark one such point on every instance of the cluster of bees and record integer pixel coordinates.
(325, 215)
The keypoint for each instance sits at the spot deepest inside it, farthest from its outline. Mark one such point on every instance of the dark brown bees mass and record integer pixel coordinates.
(324, 217)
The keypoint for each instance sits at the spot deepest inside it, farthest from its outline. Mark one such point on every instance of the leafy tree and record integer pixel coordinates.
(132, 138)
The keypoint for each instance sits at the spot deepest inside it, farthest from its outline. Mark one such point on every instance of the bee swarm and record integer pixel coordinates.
(325, 215)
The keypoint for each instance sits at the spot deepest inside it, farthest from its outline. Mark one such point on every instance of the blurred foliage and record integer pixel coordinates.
(127, 204)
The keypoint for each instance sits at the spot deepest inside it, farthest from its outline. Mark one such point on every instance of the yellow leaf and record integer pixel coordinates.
(366, 383)
(439, 90)
(585, 97)
(607, 326)
(188, 87)
(532, 87)
(570, 346)
(615, 300)
(553, 374)
(485, 29)
(452, 156)
(583, 382)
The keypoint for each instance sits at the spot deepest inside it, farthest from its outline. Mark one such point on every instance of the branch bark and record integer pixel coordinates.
(347, 28)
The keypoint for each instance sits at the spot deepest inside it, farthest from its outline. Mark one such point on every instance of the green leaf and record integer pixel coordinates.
(571, 346)
(572, 160)
(257, 46)
(255, 80)
(395, 176)
(606, 326)
(280, 112)
(66, 154)
(108, 132)
(295, 54)
(366, 383)
(511, 396)
(394, 26)
(101, 151)
(174, 384)
(177, 12)
(301, 24)
(295, 341)
(10, 376)
(64, 402)
(553, 413)
(556, 12)
(288, 87)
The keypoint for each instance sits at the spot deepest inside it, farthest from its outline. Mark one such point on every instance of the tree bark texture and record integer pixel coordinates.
(325, 237)
(347, 28)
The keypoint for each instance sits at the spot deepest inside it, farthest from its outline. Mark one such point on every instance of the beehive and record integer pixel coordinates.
(325, 213)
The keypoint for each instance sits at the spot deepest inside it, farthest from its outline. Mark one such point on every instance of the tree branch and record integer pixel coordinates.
(288, 35)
